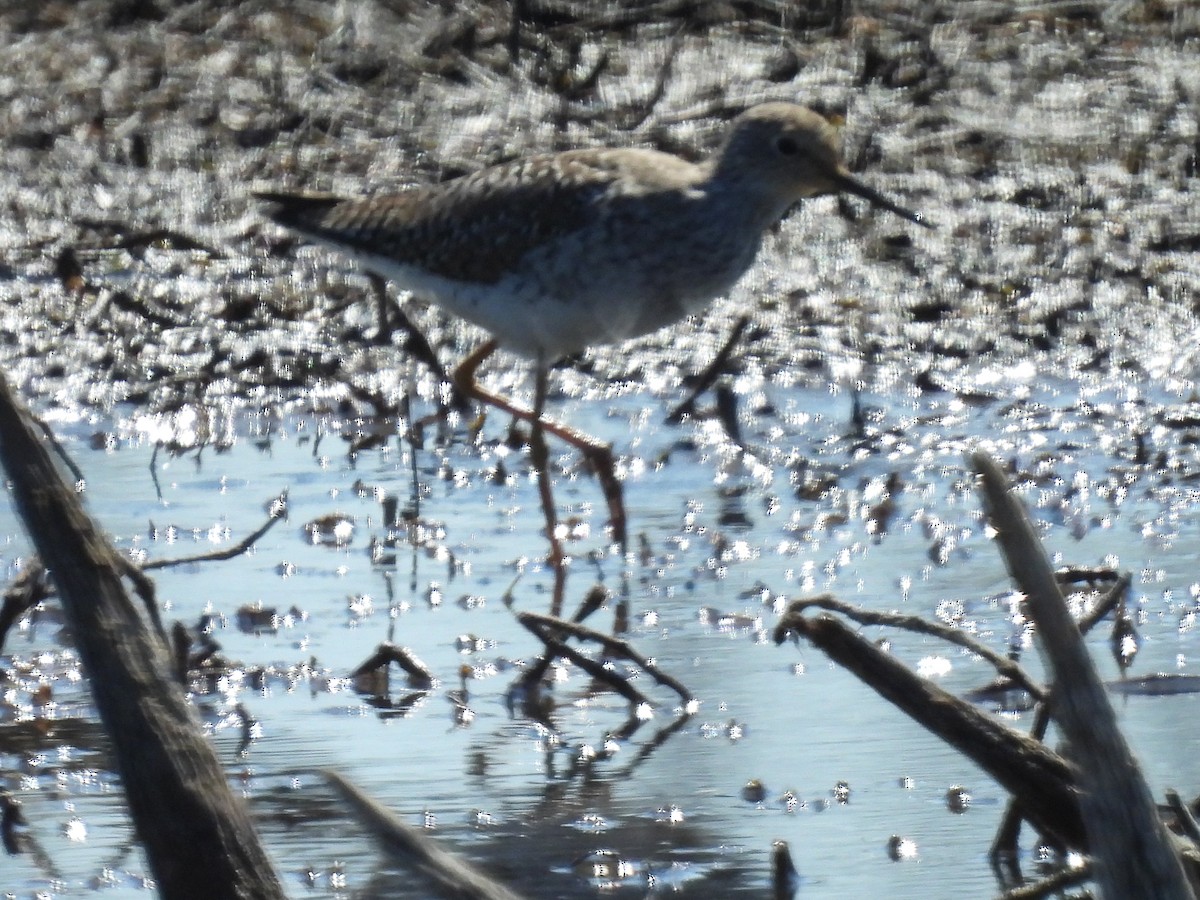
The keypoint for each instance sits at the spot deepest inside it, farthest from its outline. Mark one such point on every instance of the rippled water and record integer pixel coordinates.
(498, 788)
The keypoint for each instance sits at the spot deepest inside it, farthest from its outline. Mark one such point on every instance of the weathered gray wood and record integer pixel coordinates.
(448, 875)
(198, 838)
(1132, 851)
(1040, 779)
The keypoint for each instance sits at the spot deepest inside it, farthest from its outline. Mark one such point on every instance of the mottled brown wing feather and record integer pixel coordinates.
(474, 228)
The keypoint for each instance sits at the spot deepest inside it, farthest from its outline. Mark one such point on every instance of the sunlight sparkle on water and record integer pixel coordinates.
(933, 667)
(75, 831)
(901, 848)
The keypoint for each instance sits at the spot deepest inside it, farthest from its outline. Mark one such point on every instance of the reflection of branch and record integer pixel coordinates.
(1004, 845)
(154, 472)
(1002, 664)
(16, 842)
(659, 738)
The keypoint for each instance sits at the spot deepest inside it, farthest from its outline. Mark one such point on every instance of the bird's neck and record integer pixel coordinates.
(742, 199)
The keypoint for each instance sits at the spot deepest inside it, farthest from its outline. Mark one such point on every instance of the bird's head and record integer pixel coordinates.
(791, 153)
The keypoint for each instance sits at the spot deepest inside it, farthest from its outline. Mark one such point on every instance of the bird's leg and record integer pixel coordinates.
(539, 455)
(598, 455)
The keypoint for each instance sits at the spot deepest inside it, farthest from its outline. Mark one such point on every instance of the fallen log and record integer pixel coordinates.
(198, 837)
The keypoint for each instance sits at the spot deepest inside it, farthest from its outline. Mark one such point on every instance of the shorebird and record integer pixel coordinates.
(554, 253)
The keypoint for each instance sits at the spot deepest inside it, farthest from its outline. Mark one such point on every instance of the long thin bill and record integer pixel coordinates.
(852, 185)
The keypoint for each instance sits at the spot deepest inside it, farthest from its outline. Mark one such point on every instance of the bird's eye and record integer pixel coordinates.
(787, 146)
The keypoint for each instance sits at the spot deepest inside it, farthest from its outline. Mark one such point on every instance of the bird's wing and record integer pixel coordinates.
(474, 228)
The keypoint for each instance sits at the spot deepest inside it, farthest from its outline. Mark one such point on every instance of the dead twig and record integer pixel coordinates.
(784, 877)
(415, 342)
(555, 648)
(60, 451)
(242, 546)
(198, 837)
(29, 588)
(637, 115)
(1116, 594)
(1002, 664)
(387, 653)
(1042, 780)
(1183, 816)
(613, 646)
(1051, 885)
(710, 374)
(144, 588)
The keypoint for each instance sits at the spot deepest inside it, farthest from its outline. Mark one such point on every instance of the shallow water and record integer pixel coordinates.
(502, 790)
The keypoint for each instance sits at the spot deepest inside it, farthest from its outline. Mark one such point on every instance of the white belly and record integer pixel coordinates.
(584, 289)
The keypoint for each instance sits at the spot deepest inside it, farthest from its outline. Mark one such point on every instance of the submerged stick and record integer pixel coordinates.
(198, 837)
(449, 875)
(1133, 853)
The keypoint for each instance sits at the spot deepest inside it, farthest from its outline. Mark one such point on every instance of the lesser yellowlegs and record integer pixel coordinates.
(555, 253)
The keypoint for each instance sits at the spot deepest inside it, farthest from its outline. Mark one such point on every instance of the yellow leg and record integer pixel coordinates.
(598, 455)
(539, 455)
